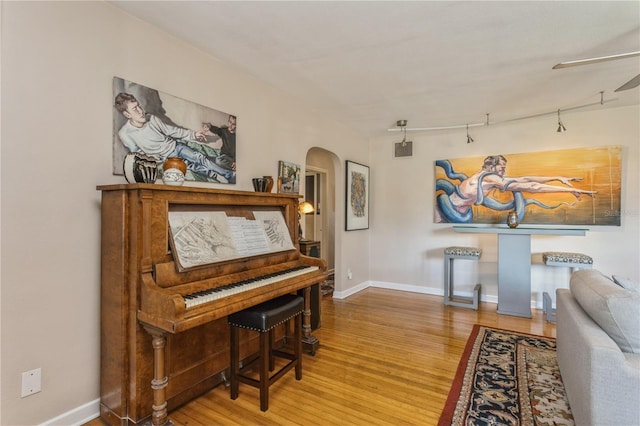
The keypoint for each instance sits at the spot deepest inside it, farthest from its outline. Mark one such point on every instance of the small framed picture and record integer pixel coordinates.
(357, 192)
(288, 177)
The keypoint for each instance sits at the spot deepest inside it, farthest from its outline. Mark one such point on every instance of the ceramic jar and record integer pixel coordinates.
(260, 184)
(512, 220)
(139, 168)
(173, 171)
(175, 163)
(269, 183)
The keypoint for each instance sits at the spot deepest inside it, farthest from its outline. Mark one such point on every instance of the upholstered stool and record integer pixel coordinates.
(451, 253)
(263, 318)
(574, 261)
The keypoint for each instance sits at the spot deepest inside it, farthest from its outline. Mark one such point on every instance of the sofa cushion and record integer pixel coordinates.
(627, 283)
(614, 309)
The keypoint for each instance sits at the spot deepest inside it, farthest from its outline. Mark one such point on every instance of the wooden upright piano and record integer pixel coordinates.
(166, 289)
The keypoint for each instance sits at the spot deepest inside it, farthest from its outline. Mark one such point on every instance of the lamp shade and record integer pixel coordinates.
(305, 208)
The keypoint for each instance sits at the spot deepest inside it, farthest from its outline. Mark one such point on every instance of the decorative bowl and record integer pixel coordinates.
(173, 177)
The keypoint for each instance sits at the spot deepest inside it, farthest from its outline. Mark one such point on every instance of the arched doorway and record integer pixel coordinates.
(320, 191)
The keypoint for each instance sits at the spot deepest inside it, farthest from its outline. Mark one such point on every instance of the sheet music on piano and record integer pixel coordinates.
(203, 237)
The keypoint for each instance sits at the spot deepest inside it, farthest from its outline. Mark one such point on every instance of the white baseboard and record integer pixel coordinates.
(349, 292)
(78, 416)
(436, 291)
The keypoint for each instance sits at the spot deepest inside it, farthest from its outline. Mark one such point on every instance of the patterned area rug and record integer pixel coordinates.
(507, 378)
(327, 287)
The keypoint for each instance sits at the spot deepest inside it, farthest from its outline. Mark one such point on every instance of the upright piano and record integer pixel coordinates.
(175, 262)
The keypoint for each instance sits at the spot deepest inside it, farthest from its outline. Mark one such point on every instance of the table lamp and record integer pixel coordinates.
(304, 208)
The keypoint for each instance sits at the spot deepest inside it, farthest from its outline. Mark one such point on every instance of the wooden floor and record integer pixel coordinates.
(386, 358)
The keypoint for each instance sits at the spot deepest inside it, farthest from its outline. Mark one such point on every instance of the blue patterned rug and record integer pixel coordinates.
(507, 378)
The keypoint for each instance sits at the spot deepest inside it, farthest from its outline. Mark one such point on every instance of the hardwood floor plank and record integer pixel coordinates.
(385, 357)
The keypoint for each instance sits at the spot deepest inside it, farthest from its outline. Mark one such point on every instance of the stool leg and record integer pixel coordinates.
(476, 296)
(264, 370)
(235, 361)
(447, 280)
(272, 359)
(547, 307)
(297, 343)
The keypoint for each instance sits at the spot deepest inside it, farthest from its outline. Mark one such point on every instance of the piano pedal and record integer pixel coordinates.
(226, 381)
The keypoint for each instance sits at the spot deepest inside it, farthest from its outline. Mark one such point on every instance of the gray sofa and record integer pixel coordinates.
(598, 346)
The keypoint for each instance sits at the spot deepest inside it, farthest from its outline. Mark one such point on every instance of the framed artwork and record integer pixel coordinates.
(580, 186)
(288, 177)
(159, 125)
(357, 193)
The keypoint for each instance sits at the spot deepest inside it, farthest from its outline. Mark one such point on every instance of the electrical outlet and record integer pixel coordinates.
(349, 274)
(31, 382)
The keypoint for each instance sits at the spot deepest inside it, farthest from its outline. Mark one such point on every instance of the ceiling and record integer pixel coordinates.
(433, 64)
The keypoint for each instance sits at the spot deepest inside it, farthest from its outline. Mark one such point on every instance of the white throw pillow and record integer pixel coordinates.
(627, 283)
(614, 309)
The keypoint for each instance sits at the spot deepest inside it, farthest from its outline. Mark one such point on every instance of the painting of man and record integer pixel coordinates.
(586, 193)
(150, 129)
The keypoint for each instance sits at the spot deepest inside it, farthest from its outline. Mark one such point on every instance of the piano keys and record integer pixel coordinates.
(205, 296)
(164, 332)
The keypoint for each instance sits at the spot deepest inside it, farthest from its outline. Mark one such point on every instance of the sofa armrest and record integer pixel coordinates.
(602, 382)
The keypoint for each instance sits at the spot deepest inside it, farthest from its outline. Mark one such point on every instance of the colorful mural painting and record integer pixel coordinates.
(565, 187)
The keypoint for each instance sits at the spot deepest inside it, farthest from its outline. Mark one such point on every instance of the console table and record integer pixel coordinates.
(514, 263)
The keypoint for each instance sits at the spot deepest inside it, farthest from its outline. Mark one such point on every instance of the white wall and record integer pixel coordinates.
(406, 244)
(58, 61)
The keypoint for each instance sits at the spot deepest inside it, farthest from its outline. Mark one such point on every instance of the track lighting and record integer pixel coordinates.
(561, 127)
(403, 125)
(404, 148)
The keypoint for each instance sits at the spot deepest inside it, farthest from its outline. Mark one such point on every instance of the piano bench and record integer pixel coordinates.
(264, 318)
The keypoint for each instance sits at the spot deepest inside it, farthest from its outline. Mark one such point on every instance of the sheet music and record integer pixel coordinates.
(275, 228)
(249, 236)
(199, 238)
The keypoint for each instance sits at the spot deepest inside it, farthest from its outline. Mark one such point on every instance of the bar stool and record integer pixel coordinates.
(263, 318)
(451, 253)
(574, 261)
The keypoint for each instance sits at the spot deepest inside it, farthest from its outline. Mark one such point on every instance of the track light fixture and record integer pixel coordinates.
(403, 126)
(469, 138)
(561, 127)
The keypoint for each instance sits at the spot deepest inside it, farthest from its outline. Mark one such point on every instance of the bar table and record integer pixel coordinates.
(514, 263)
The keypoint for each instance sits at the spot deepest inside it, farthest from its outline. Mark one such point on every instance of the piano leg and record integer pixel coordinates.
(309, 342)
(160, 380)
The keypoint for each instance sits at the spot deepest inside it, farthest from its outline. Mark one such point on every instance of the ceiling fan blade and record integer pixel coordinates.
(634, 82)
(595, 60)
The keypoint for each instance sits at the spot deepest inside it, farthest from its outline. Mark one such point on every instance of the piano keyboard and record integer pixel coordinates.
(205, 296)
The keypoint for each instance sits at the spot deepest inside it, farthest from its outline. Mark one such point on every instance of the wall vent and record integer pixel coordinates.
(404, 149)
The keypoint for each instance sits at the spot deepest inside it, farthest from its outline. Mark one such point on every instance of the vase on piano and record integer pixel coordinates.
(260, 184)
(269, 183)
(139, 168)
(173, 171)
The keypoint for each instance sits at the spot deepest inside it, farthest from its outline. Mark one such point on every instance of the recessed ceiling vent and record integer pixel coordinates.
(404, 148)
